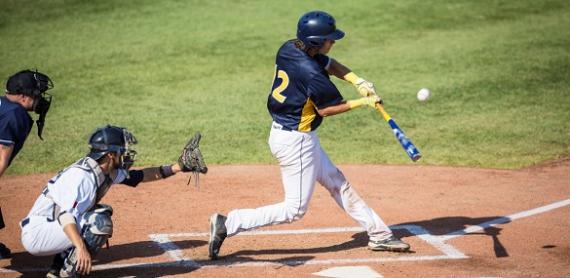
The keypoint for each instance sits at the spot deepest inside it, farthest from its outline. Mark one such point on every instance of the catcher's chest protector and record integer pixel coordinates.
(102, 181)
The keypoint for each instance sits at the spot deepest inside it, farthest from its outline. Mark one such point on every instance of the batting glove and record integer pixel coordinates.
(369, 101)
(364, 88)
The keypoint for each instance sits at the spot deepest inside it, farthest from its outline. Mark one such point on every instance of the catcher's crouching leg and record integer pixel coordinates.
(97, 228)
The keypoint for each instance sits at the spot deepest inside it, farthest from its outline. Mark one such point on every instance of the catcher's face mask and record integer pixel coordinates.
(113, 139)
(128, 156)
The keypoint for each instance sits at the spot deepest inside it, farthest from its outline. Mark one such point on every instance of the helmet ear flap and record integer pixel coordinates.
(315, 41)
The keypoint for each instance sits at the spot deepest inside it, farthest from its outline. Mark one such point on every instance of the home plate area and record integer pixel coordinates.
(303, 247)
(331, 251)
(316, 246)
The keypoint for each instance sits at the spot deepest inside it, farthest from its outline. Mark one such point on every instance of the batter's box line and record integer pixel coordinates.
(439, 242)
(449, 252)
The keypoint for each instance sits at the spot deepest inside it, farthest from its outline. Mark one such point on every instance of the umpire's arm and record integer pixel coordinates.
(5, 153)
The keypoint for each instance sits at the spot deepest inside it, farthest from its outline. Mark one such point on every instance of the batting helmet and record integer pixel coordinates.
(113, 139)
(315, 27)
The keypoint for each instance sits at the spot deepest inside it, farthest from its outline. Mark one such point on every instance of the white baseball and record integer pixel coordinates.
(423, 94)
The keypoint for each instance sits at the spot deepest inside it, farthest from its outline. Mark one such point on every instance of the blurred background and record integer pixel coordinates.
(498, 72)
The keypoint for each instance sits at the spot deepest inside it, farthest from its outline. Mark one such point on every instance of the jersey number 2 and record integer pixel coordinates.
(277, 91)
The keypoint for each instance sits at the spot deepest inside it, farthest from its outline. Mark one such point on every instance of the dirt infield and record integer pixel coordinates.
(461, 222)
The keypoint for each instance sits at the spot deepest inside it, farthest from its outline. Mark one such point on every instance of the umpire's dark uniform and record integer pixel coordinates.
(15, 126)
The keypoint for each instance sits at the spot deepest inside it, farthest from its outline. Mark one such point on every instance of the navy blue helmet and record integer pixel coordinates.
(113, 139)
(317, 26)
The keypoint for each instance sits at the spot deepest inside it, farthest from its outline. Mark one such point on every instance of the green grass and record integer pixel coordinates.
(498, 72)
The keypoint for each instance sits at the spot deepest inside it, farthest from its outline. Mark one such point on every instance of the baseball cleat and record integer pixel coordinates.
(390, 244)
(56, 265)
(218, 233)
(52, 274)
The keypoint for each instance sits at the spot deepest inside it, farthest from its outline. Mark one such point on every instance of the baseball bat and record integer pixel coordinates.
(406, 143)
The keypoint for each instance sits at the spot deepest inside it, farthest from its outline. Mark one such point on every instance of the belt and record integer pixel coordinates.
(280, 127)
(25, 222)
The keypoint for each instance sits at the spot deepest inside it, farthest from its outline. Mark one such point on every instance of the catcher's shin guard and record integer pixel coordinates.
(97, 229)
(57, 264)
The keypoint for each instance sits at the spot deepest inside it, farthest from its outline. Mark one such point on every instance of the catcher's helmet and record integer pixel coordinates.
(113, 139)
(315, 27)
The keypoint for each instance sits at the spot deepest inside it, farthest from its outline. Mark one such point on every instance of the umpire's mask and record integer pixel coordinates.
(33, 84)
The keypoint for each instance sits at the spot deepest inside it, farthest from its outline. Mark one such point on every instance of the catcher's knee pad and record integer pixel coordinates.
(97, 228)
(98, 221)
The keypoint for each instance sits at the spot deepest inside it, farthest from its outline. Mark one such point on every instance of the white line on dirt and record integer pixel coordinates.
(506, 219)
(449, 252)
(274, 232)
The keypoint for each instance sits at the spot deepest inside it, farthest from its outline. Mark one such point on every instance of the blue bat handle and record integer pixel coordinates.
(408, 146)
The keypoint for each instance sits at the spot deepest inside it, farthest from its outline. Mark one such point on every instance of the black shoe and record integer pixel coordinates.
(5, 252)
(218, 233)
(56, 265)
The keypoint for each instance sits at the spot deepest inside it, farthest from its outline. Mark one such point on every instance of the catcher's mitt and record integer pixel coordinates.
(191, 159)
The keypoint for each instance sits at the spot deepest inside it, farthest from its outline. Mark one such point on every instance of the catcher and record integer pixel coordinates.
(67, 220)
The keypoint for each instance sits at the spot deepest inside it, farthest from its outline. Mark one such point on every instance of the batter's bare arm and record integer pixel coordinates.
(364, 88)
(349, 105)
(334, 110)
(337, 69)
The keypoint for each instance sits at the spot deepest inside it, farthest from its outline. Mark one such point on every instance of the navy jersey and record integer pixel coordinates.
(301, 84)
(15, 125)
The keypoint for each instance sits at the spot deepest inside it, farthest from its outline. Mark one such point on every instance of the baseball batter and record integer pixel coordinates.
(67, 220)
(302, 94)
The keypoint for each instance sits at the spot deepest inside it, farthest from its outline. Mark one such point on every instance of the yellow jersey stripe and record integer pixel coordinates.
(307, 116)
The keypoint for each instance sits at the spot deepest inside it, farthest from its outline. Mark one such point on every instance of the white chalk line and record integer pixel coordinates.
(273, 232)
(449, 252)
(178, 259)
(506, 219)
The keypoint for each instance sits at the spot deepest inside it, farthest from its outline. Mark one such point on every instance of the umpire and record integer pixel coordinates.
(25, 91)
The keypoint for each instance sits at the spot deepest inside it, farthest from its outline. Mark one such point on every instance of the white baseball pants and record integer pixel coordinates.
(41, 237)
(303, 162)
